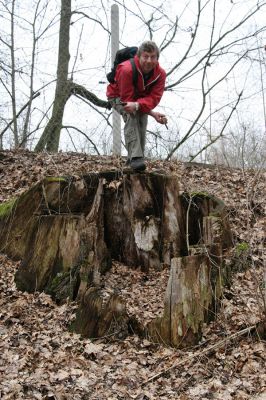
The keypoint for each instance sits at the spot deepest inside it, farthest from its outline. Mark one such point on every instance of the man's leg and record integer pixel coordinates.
(137, 163)
(135, 135)
(143, 121)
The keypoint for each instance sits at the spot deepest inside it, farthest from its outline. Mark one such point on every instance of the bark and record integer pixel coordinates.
(96, 318)
(51, 135)
(67, 230)
(81, 91)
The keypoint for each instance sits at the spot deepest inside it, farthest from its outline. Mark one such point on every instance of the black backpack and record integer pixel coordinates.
(122, 55)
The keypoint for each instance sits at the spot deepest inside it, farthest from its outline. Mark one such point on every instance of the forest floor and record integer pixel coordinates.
(42, 359)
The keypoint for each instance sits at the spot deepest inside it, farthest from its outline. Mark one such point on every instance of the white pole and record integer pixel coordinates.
(114, 48)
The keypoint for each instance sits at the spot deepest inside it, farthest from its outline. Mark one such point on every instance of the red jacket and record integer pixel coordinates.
(147, 96)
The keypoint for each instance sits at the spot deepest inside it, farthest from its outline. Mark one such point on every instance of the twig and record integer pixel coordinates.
(200, 353)
(18, 114)
(84, 134)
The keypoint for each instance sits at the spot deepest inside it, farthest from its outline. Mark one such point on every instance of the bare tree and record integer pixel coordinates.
(10, 69)
(193, 65)
(18, 71)
(51, 134)
(64, 87)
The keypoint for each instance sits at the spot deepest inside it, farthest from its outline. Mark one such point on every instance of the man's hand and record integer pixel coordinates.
(160, 118)
(130, 107)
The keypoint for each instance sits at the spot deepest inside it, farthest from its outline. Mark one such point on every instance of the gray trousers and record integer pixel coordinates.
(134, 130)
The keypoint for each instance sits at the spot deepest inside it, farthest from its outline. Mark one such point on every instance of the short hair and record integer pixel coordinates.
(148, 46)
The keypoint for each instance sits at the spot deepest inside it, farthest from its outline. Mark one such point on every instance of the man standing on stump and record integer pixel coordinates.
(136, 100)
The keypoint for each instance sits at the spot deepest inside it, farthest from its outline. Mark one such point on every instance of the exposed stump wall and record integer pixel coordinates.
(193, 290)
(67, 230)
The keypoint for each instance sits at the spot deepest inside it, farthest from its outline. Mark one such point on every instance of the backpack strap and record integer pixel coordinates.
(135, 72)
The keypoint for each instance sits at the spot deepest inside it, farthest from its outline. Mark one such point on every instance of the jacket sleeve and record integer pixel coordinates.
(151, 100)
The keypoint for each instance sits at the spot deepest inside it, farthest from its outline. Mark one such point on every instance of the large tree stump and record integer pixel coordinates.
(67, 230)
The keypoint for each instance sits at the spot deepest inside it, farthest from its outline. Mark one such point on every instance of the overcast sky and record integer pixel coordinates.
(90, 55)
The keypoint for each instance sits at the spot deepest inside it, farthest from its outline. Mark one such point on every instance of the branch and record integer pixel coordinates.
(169, 41)
(204, 95)
(5, 86)
(18, 114)
(213, 48)
(83, 92)
(86, 136)
(93, 19)
(187, 135)
(5, 43)
(95, 109)
(77, 51)
(37, 126)
(194, 34)
(222, 131)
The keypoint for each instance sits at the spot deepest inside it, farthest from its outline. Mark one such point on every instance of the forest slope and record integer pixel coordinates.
(41, 359)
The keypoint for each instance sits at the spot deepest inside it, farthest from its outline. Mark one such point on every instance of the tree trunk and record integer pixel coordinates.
(51, 135)
(67, 230)
(13, 76)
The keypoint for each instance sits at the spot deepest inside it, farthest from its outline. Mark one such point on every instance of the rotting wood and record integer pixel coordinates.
(66, 230)
(192, 291)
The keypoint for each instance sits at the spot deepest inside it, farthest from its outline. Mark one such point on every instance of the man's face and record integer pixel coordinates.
(148, 61)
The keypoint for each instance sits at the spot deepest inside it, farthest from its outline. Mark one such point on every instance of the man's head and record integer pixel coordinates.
(148, 54)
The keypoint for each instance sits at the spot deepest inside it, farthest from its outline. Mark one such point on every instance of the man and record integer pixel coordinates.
(136, 103)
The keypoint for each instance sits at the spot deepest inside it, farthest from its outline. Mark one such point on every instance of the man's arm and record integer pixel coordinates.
(160, 118)
(149, 101)
(132, 107)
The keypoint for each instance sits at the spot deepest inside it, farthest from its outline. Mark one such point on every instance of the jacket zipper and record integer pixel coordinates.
(154, 80)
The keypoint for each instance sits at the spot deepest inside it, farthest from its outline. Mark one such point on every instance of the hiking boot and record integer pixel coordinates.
(138, 164)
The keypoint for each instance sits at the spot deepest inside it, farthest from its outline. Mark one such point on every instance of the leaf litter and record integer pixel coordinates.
(42, 359)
